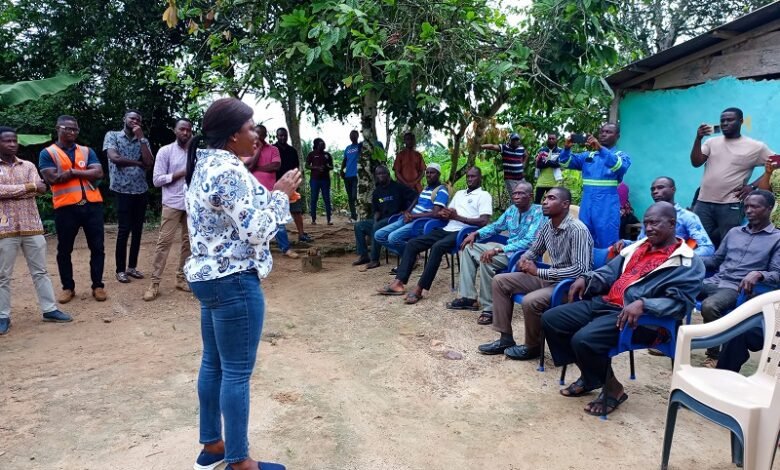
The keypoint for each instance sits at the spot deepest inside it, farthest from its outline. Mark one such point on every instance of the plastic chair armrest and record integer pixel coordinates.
(560, 292)
(462, 235)
(394, 218)
(498, 238)
(433, 224)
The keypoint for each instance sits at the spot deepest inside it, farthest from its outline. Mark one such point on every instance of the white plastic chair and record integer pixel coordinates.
(748, 406)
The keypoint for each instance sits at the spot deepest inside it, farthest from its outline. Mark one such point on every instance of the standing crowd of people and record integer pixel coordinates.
(227, 201)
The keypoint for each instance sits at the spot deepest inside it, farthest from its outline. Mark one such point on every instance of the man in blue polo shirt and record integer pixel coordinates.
(512, 161)
(349, 173)
(431, 200)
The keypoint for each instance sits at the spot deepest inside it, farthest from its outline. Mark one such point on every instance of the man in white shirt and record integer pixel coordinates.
(471, 206)
(728, 162)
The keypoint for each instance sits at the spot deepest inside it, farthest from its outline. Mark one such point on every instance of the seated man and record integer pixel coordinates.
(689, 225)
(522, 220)
(428, 204)
(659, 275)
(736, 351)
(570, 246)
(472, 206)
(747, 255)
(389, 198)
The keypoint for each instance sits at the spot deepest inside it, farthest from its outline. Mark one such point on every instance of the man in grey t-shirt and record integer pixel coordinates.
(728, 162)
(129, 158)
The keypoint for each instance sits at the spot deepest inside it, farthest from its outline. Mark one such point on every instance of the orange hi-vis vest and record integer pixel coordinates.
(74, 190)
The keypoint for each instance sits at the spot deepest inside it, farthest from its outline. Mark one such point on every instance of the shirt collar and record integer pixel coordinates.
(768, 229)
(473, 191)
(564, 223)
(67, 149)
(16, 161)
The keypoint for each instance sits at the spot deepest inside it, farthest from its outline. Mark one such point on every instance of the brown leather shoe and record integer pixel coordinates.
(99, 294)
(152, 292)
(66, 296)
(182, 284)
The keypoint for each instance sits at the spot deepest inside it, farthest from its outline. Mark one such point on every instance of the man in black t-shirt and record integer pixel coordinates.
(389, 198)
(290, 162)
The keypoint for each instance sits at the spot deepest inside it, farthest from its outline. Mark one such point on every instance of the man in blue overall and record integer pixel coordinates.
(602, 169)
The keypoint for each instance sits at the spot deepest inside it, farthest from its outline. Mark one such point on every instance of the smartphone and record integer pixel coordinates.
(579, 138)
(715, 129)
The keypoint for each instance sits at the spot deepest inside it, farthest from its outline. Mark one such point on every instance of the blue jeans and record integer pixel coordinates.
(316, 187)
(282, 239)
(364, 229)
(231, 320)
(394, 236)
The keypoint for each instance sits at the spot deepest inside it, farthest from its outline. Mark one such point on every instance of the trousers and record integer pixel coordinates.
(34, 250)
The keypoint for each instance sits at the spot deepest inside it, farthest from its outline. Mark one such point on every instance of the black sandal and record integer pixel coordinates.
(576, 389)
(611, 402)
(485, 319)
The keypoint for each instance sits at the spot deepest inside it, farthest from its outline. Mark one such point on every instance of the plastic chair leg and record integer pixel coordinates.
(671, 419)
(737, 451)
(541, 353)
(563, 375)
(633, 370)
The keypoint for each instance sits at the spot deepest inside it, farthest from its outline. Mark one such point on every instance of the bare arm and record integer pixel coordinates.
(493, 147)
(147, 157)
(116, 159)
(697, 156)
(93, 173)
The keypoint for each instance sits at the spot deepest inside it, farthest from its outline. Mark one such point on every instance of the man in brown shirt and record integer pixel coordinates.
(409, 166)
(728, 162)
(21, 227)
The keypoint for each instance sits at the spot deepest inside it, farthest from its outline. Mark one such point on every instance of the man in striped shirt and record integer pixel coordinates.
(431, 200)
(512, 161)
(570, 246)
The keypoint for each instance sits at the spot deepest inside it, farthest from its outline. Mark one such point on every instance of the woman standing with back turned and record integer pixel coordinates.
(231, 218)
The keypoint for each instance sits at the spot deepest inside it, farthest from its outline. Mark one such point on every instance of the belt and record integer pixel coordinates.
(81, 202)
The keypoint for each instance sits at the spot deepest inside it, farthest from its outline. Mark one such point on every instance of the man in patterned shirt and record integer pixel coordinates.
(659, 275)
(129, 158)
(570, 246)
(522, 220)
(21, 227)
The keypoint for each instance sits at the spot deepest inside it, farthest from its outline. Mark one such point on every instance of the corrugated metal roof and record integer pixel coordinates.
(742, 24)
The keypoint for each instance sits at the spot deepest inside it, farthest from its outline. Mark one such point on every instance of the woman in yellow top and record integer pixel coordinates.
(771, 182)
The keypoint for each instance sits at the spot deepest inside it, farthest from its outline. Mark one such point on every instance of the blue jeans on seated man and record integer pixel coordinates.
(232, 309)
(282, 239)
(394, 236)
(366, 229)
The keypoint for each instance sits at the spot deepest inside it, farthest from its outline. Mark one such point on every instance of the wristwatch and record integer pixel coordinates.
(144, 141)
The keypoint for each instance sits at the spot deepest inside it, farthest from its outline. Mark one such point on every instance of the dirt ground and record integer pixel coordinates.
(345, 380)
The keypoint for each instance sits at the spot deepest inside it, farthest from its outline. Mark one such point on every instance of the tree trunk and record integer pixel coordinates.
(481, 121)
(367, 163)
(292, 117)
(457, 140)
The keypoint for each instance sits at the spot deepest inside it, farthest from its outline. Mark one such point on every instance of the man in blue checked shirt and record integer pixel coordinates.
(689, 226)
(522, 220)
(602, 169)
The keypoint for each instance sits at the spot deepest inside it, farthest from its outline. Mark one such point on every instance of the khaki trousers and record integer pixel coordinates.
(34, 250)
(537, 295)
(471, 267)
(170, 222)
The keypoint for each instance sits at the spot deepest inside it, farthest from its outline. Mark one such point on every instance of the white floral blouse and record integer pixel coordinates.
(231, 218)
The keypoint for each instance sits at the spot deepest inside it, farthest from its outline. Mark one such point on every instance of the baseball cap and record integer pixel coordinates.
(514, 136)
(434, 166)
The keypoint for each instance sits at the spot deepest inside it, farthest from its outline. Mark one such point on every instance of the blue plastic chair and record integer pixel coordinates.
(432, 224)
(390, 220)
(625, 341)
(559, 295)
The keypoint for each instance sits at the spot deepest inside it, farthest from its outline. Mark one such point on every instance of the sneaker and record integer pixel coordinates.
(182, 284)
(5, 324)
(361, 260)
(291, 254)
(57, 316)
(152, 292)
(66, 296)
(122, 277)
(99, 294)
(132, 272)
(207, 461)
(305, 238)
(330, 222)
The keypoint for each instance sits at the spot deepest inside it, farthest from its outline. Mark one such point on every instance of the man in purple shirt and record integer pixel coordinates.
(169, 170)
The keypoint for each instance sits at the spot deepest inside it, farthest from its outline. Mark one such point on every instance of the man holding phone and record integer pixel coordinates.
(728, 162)
(602, 170)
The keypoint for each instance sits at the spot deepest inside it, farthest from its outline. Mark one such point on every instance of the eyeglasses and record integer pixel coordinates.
(74, 130)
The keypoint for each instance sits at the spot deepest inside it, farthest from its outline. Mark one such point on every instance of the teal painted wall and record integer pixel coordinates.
(658, 128)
